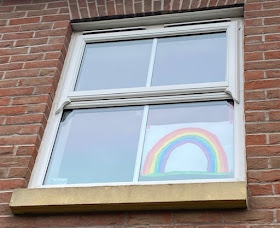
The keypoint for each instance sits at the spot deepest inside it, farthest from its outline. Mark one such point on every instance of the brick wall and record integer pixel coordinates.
(34, 38)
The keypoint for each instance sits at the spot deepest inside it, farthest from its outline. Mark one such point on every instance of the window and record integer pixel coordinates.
(150, 105)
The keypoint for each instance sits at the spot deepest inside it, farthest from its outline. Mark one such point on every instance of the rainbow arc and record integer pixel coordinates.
(157, 157)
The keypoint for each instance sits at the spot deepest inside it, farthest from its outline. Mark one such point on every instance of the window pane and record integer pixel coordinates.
(190, 59)
(114, 65)
(188, 141)
(96, 146)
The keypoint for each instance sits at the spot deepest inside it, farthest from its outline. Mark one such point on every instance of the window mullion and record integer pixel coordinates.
(152, 62)
(141, 144)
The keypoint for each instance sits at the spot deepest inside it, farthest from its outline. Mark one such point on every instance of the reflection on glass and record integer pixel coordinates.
(95, 146)
(190, 59)
(188, 141)
(113, 65)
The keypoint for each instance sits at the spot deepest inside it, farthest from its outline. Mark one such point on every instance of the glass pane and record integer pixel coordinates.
(190, 59)
(188, 141)
(95, 146)
(115, 65)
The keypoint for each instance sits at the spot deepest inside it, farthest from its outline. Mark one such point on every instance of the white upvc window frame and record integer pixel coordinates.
(67, 98)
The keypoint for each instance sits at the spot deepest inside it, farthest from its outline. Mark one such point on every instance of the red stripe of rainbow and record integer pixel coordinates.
(209, 143)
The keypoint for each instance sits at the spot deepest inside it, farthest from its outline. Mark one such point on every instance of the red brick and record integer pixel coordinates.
(267, 202)
(262, 105)
(275, 162)
(198, 217)
(16, 172)
(272, 37)
(41, 64)
(253, 6)
(262, 84)
(16, 222)
(18, 36)
(262, 47)
(31, 42)
(253, 75)
(261, 30)
(272, 55)
(59, 221)
(255, 139)
(26, 20)
(36, 27)
(9, 130)
(15, 2)
(22, 73)
(273, 93)
(5, 101)
(57, 5)
(30, 7)
(272, 73)
(274, 138)
(263, 176)
(246, 216)
(61, 17)
(15, 161)
(6, 150)
(6, 9)
(33, 129)
(261, 13)
(274, 115)
(272, 21)
(253, 22)
(271, 5)
(277, 188)
(5, 197)
(17, 139)
(38, 80)
(35, 118)
(254, 116)
(5, 44)
(26, 150)
(149, 218)
(16, 110)
(254, 95)
(3, 173)
(25, 58)
(31, 100)
(11, 184)
(103, 219)
(253, 56)
(9, 29)
(47, 48)
(41, 108)
(220, 226)
(259, 190)
(8, 83)
(11, 66)
(5, 209)
(257, 163)
(4, 59)
(52, 55)
(61, 24)
(42, 12)
(11, 15)
(262, 65)
(269, 150)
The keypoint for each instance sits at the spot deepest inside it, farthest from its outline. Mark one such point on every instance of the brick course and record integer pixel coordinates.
(34, 38)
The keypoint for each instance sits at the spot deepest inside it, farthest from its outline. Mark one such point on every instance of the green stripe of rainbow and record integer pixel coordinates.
(208, 142)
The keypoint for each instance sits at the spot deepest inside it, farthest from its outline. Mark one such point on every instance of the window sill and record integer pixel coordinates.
(120, 198)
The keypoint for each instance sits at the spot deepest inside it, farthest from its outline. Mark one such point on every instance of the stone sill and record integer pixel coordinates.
(131, 197)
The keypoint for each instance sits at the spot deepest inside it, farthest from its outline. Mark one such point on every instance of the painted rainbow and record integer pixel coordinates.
(208, 142)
